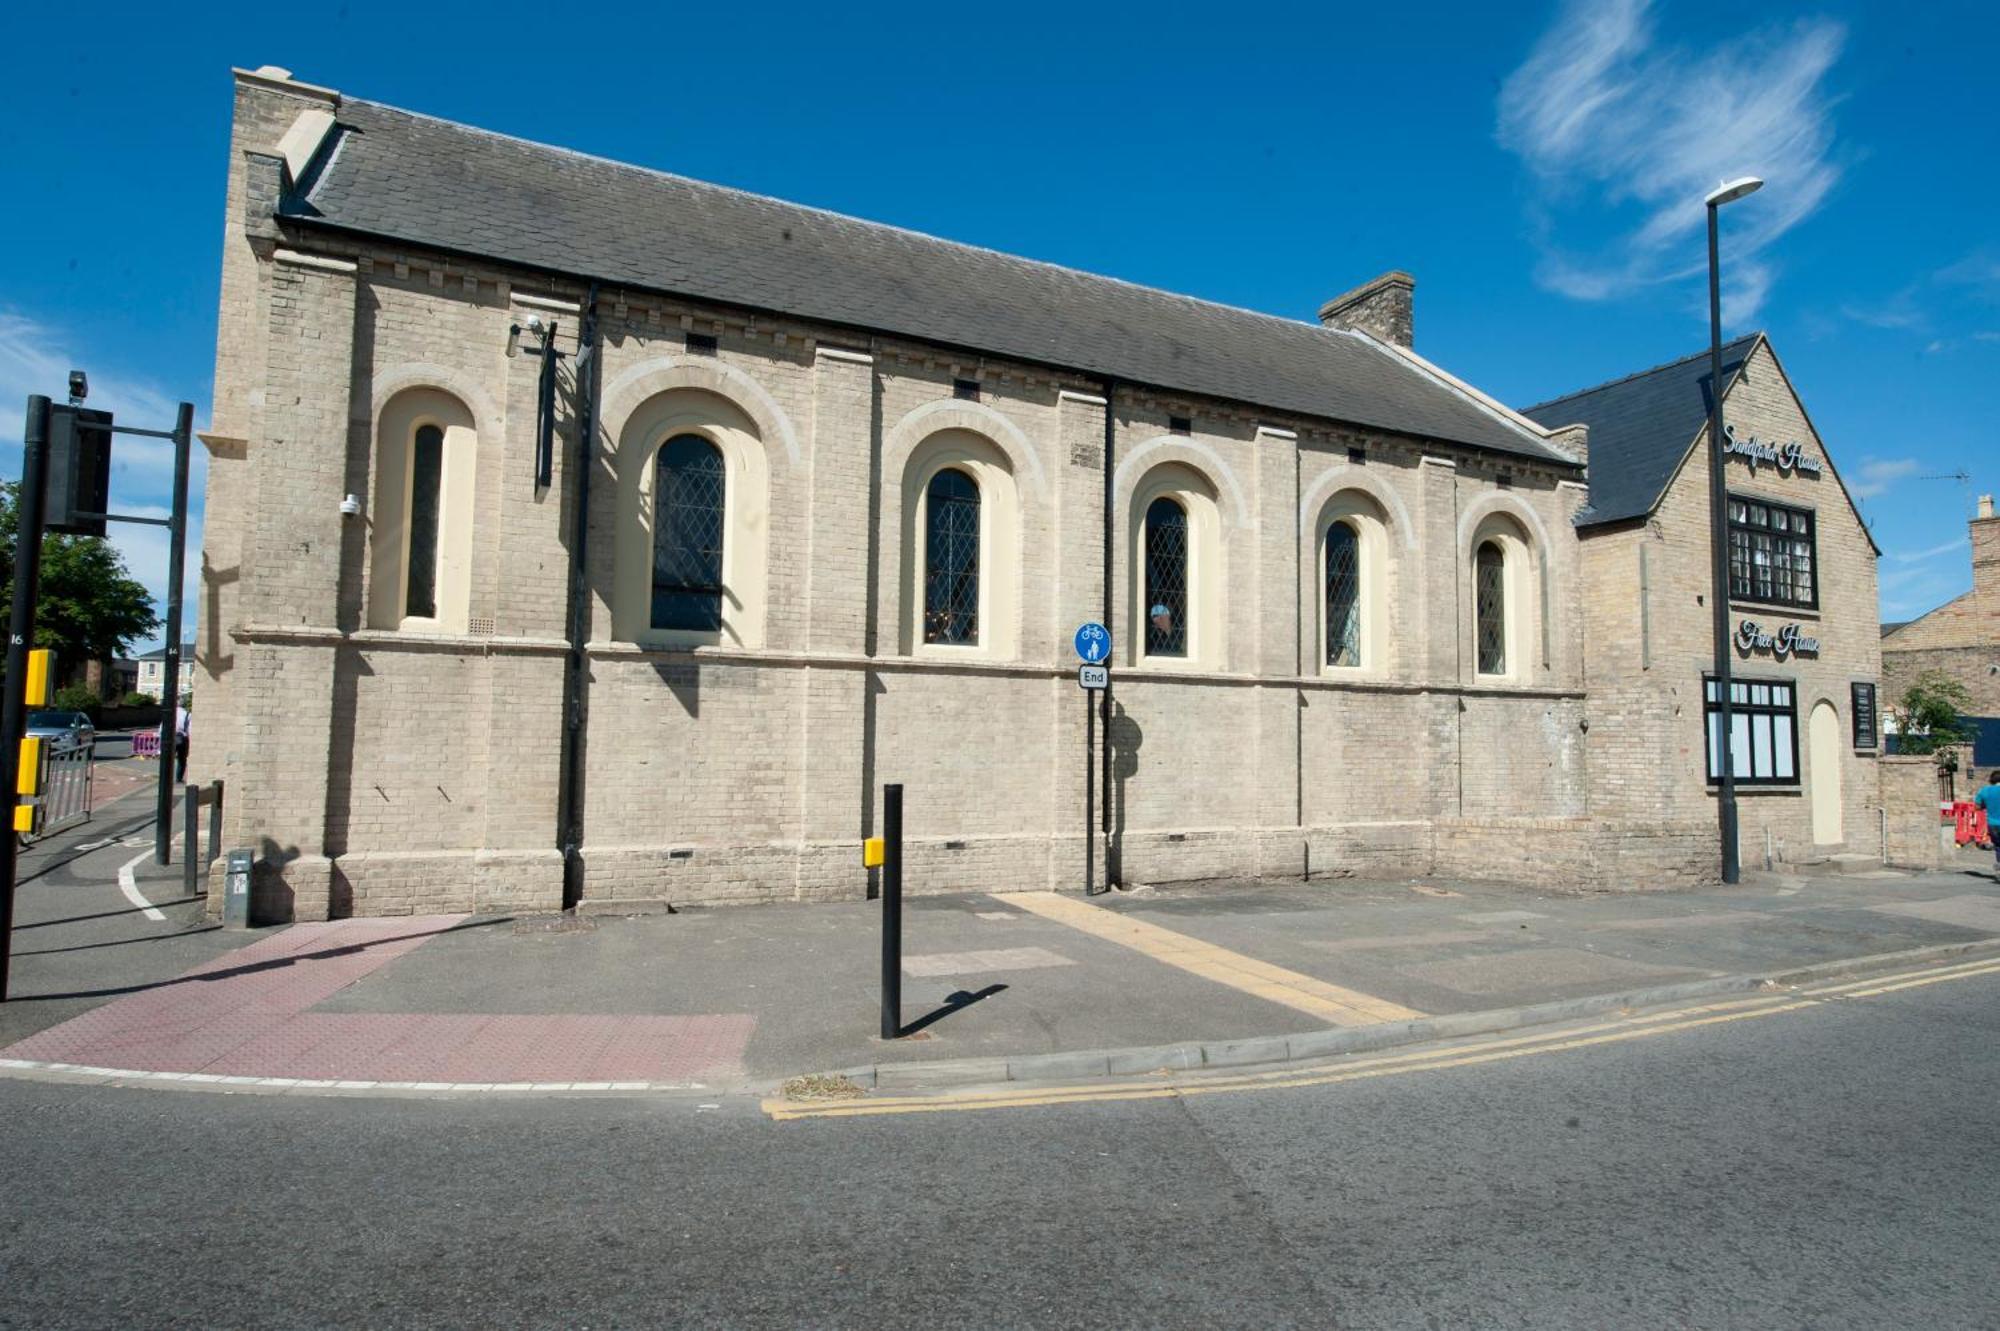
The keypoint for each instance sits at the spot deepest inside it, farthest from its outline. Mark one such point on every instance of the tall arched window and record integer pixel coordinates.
(426, 491)
(1343, 595)
(951, 558)
(1166, 578)
(689, 491)
(1489, 570)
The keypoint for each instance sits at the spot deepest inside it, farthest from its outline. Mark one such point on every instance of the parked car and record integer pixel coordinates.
(63, 730)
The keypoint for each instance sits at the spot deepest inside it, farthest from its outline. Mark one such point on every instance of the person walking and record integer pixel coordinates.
(181, 726)
(1988, 799)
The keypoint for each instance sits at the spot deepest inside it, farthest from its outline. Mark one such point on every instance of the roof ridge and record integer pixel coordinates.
(1640, 374)
(849, 218)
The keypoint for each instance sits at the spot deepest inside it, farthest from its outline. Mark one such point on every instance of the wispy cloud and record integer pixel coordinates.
(1920, 556)
(1960, 292)
(1624, 133)
(1875, 476)
(37, 358)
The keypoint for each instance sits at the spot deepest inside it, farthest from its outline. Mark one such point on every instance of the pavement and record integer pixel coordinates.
(1033, 986)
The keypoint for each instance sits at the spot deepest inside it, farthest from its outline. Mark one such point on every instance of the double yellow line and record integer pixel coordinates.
(1427, 1060)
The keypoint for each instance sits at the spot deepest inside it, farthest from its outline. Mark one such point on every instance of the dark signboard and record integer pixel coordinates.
(1865, 728)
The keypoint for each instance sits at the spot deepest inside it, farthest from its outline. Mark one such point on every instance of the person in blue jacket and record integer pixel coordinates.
(1988, 799)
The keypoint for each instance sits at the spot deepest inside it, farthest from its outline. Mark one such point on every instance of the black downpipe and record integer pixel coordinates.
(1112, 874)
(569, 799)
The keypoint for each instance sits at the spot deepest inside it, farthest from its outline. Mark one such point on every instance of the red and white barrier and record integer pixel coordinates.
(145, 744)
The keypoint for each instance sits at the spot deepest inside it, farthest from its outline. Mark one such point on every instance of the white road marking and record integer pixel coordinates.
(129, 885)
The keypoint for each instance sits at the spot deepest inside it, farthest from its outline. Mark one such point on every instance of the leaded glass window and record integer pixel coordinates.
(1343, 595)
(689, 490)
(1166, 578)
(1490, 605)
(951, 558)
(1771, 550)
(426, 490)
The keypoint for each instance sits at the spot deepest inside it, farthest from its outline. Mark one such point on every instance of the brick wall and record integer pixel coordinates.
(1648, 624)
(385, 770)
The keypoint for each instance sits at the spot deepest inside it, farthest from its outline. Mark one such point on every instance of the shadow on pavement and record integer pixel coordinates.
(957, 1002)
(121, 942)
(276, 963)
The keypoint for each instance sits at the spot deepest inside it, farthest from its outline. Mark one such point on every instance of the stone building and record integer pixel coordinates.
(1960, 638)
(819, 505)
(1807, 660)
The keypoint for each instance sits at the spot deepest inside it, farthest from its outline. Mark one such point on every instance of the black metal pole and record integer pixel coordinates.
(892, 912)
(1718, 541)
(163, 830)
(20, 637)
(1089, 794)
(569, 798)
(1104, 695)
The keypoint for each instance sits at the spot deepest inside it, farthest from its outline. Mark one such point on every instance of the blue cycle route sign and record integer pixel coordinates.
(1093, 643)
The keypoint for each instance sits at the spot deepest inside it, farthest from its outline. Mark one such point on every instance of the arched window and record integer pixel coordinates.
(1166, 578)
(426, 489)
(1489, 570)
(688, 518)
(1343, 595)
(421, 504)
(951, 558)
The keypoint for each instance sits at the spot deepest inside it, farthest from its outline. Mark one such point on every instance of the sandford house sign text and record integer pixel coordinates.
(1790, 457)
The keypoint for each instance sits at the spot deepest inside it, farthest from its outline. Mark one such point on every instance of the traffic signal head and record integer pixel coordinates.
(79, 473)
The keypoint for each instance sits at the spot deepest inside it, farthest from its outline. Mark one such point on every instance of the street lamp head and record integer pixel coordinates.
(1732, 190)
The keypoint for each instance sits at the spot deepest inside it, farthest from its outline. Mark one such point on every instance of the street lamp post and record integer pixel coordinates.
(1718, 536)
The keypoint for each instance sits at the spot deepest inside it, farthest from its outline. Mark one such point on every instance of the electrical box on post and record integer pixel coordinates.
(79, 470)
(40, 665)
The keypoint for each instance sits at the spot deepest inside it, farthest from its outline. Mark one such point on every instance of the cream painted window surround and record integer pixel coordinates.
(999, 614)
(1196, 495)
(746, 519)
(390, 520)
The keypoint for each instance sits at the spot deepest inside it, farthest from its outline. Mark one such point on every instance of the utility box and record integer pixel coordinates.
(79, 471)
(236, 890)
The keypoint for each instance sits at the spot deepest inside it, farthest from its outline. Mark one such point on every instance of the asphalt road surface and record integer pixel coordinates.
(1829, 1167)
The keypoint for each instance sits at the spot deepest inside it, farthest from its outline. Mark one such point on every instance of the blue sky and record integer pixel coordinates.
(1538, 167)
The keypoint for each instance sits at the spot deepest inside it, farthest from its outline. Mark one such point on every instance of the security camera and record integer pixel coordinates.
(350, 506)
(79, 385)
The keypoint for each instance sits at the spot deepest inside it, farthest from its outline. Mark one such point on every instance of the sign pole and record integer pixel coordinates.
(163, 829)
(20, 637)
(1089, 793)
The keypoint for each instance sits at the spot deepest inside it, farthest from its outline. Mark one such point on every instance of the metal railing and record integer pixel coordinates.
(63, 789)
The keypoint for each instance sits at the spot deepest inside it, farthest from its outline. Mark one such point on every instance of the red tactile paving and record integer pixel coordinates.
(246, 1014)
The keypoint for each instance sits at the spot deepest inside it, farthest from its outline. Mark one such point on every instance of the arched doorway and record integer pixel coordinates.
(1823, 735)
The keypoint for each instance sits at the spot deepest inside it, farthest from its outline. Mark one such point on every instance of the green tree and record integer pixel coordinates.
(1931, 716)
(90, 608)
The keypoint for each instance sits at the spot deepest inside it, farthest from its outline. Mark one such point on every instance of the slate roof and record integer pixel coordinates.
(1641, 427)
(399, 176)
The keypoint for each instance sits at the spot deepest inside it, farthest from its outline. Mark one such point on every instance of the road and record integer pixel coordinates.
(1830, 1166)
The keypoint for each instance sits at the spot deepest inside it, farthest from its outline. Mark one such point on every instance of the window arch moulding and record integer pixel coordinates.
(996, 610)
(1351, 536)
(716, 421)
(420, 514)
(1200, 631)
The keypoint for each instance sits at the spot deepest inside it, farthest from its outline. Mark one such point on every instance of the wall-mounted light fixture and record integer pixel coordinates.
(545, 392)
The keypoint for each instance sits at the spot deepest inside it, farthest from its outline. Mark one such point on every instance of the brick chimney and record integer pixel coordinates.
(1381, 309)
(1986, 554)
